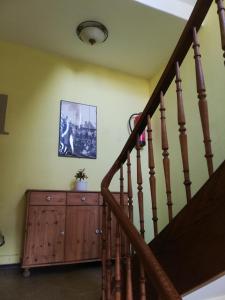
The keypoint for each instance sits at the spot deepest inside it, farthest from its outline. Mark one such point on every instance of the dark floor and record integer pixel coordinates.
(78, 282)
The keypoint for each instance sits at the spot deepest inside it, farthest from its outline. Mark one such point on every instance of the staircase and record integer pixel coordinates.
(189, 251)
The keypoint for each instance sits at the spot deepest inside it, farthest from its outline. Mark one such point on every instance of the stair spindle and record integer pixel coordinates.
(129, 285)
(152, 179)
(165, 153)
(108, 256)
(142, 280)
(121, 187)
(104, 226)
(130, 192)
(122, 204)
(118, 264)
(221, 14)
(118, 287)
(129, 188)
(203, 106)
(183, 135)
(140, 192)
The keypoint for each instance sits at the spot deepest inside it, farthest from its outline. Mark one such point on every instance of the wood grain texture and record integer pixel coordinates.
(203, 106)
(185, 42)
(45, 235)
(103, 225)
(191, 248)
(82, 198)
(140, 188)
(129, 187)
(152, 178)
(47, 198)
(152, 267)
(165, 153)
(82, 241)
(160, 281)
(109, 254)
(183, 135)
(221, 14)
(118, 287)
(142, 280)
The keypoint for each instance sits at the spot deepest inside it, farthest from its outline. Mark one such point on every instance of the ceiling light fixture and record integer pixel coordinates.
(92, 32)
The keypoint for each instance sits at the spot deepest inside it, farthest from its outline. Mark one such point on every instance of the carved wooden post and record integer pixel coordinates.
(183, 135)
(129, 187)
(108, 256)
(118, 288)
(121, 187)
(152, 179)
(130, 191)
(104, 222)
(165, 153)
(117, 264)
(203, 107)
(140, 193)
(221, 14)
(141, 216)
(129, 286)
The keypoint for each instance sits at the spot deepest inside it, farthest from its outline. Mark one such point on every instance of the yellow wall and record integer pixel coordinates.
(35, 83)
(212, 60)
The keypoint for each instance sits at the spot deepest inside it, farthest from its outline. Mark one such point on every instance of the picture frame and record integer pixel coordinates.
(77, 130)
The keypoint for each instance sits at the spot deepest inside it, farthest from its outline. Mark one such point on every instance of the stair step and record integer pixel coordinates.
(214, 290)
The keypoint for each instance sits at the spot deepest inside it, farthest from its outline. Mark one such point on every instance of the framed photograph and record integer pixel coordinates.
(77, 130)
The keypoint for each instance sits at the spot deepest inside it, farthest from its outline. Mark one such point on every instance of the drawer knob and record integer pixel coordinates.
(62, 232)
(83, 198)
(97, 231)
(48, 198)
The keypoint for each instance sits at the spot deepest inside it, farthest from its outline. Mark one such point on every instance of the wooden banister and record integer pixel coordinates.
(221, 14)
(152, 268)
(196, 19)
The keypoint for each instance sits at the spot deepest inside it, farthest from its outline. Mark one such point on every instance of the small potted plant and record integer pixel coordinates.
(81, 182)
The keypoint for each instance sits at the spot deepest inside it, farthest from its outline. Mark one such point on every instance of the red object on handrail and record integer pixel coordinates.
(142, 137)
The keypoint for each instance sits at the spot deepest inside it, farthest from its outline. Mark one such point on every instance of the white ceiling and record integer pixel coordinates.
(140, 41)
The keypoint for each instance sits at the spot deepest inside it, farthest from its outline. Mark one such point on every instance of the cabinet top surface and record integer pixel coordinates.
(65, 191)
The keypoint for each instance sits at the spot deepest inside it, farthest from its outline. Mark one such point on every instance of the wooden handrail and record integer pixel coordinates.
(196, 19)
(153, 269)
(158, 277)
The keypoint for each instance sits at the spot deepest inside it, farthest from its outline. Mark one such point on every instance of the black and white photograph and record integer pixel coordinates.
(77, 130)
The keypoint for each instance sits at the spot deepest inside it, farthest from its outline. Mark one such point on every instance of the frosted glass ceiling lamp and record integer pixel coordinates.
(92, 32)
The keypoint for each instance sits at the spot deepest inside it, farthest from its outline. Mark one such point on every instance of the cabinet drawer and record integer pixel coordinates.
(82, 198)
(47, 198)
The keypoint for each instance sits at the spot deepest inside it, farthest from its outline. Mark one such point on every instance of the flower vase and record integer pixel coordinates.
(80, 185)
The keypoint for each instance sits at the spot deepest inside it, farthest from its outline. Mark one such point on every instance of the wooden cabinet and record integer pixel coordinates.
(62, 227)
(45, 242)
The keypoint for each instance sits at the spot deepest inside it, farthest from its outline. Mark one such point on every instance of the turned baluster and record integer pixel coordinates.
(130, 192)
(108, 256)
(118, 289)
(165, 153)
(221, 14)
(152, 179)
(203, 106)
(104, 226)
(122, 237)
(129, 287)
(183, 135)
(129, 188)
(117, 264)
(142, 280)
(140, 193)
